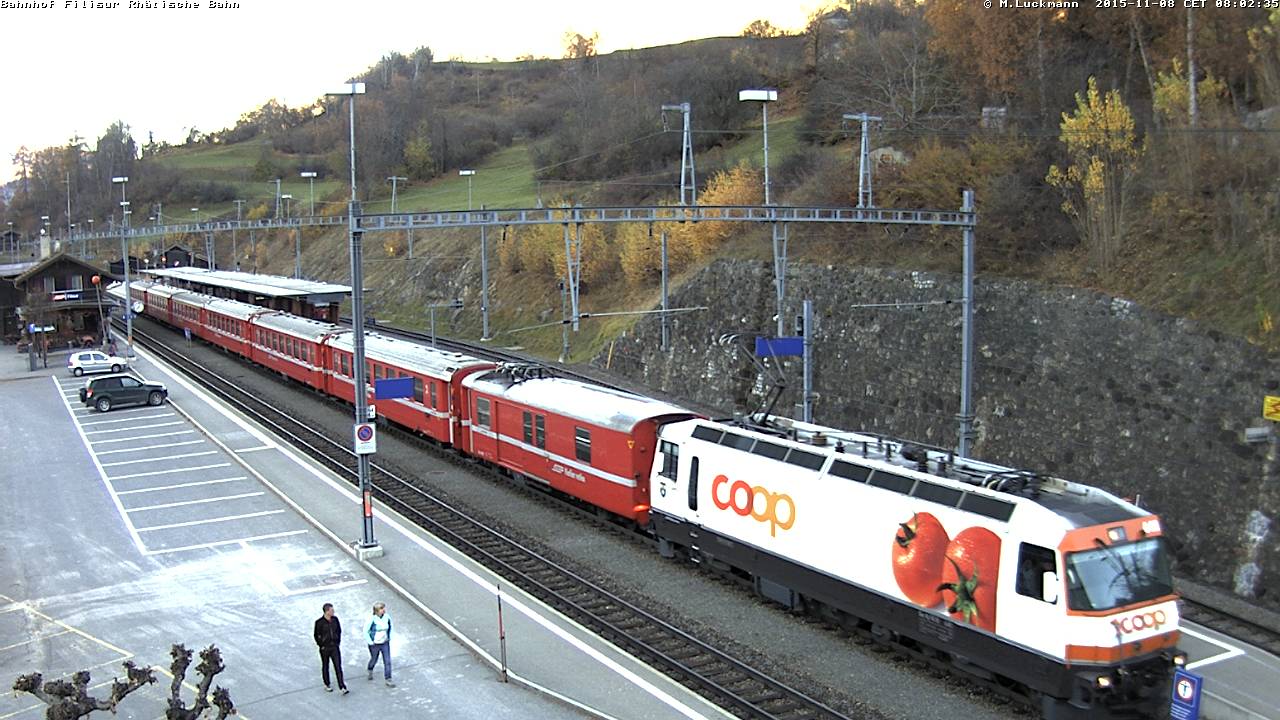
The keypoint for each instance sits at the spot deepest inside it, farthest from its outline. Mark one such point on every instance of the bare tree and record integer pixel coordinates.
(70, 699)
(210, 665)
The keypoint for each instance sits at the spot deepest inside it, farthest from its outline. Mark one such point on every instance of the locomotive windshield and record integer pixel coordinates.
(1111, 576)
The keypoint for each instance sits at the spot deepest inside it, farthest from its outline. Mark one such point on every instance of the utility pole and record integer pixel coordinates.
(393, 180)
(666, 305)
(806, 331)
(688, 180)
(484, 281)
(235, 254)
(965, 445)
(277, 181)
(864, 158)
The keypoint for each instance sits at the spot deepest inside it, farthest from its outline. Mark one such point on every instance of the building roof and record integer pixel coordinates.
(15, 269)
(265, 285)
(35, 269)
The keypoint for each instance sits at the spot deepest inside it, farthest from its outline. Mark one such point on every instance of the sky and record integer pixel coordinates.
(79, 66)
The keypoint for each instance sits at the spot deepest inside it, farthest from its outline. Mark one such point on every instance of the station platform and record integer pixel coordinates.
(129, 531)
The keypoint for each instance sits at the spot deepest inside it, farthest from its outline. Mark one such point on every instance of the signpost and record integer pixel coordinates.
(1185, 703)
(366, 439)
(392, 388)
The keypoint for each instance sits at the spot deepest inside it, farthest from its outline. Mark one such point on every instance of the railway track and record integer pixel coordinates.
(1259, 628)
(724, 680)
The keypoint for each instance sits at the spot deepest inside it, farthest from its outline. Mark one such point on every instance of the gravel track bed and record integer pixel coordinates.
(860, 679)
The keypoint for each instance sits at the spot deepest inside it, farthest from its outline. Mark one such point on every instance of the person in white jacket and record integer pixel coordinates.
(378, 631)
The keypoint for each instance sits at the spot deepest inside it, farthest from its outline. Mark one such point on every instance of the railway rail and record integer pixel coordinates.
(724, 680)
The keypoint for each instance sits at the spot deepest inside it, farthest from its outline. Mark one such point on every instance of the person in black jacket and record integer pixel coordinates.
(328, 635)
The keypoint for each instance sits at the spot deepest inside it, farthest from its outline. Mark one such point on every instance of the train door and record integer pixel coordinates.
(1029, 608)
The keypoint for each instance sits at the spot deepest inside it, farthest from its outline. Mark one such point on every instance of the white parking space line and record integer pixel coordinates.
(109, 422)
(182, 485)
(220, 543)
(162, 472)
(151, 447)
(115, 411)
(136, 427)
(159, 459)
(102, 473)
(143, 437)
(1229, 651)
(208, 521)
(194, 502)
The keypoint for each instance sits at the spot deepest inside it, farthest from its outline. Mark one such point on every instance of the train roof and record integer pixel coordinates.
(264, 285)
(161, 290)
(292, 324)
(409, 355)
(918, 470)
(235, 308)
(594, 404)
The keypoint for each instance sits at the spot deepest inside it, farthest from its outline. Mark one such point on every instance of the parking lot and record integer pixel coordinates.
(175, 491)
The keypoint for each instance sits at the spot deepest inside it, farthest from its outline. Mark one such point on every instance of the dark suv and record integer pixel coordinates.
(105, 393)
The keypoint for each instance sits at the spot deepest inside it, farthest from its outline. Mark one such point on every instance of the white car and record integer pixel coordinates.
(91, 361)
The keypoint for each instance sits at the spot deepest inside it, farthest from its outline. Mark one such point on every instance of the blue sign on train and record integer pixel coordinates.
(1185, 703)
(779, 346)
(392, 388)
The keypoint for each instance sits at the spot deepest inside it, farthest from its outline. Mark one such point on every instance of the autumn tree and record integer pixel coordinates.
(740, 185)
(1103, 150)
(579, 47)
(760, 29)
(640, 250)
(540, 249)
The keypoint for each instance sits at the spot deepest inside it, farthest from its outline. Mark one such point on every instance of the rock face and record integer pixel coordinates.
(1074, 383)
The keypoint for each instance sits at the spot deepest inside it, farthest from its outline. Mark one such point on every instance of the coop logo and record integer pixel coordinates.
(1141, 621)
(777, 509)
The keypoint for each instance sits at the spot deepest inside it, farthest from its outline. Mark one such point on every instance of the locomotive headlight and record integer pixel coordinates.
(1180, 659)
(1103, 682)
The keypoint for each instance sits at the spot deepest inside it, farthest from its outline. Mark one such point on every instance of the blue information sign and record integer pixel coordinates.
(1186, 695)
(779, 346)
(392, 388)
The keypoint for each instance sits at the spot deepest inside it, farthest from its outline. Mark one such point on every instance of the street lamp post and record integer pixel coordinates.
(277, 182)
(368, 547)
(468, 174)
(455, 304)
(122, 181)
(310, 175)
(764, 97)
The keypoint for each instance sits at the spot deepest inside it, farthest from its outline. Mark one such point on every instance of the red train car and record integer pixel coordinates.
(436, 408)
(186, 310)
(157, 299)
(292, 346)
(594, 443)
(227, 324)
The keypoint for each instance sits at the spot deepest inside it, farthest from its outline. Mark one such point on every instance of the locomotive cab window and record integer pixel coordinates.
(482, 412)
(1033, 562)
(540, 431)
(527, 424)
(670, 459)
(582, 444)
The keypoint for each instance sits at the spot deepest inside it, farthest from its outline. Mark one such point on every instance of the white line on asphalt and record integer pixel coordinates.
(226, 518)
(116, 411)
(201, 546)
(136, 427)
(194, 502)
(325, 588)
(165, 472)
(1231, 651)
(143, 437)
(108, 422)
(255, 449)
(102, 473)
(158, 459)
(151, 447)
(181, 485)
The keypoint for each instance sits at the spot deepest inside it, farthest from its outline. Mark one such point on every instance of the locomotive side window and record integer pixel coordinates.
(693, 484)
(417, 389)
(670, 459)
(582, 444)
(528, 427)
(1033, 562)
(482, 412)
(540, 431)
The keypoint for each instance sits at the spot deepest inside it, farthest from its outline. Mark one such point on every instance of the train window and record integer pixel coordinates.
(434, 404)
(737, 442)
(482, 412)
(710, 434)
(582, 444)
(990, 507)
(670, 459)
(417, 389)
(528, 427)
(1033, 562)
(892, 481)
(693, 484)
(377, 372)
(805, 459)
(769, 450)
(849, 471)
(937, 493)
(540, 431)
(306, 353)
